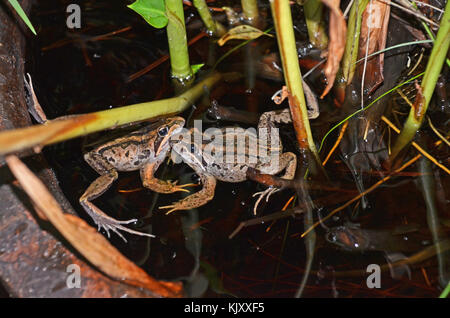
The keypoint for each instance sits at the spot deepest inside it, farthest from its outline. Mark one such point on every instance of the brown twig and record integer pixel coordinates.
(373, 187)
(161, 60)
(415, 145)
(91, 244)
(273, 181)
(341, 134)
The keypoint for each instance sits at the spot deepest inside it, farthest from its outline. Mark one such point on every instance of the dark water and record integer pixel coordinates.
(266, 260)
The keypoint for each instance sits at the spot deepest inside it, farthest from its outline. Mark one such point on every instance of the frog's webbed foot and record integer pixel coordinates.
(34, 107)
(108, 223)
(173, 207)
(196, 199)
(175, 187)
(157, 185)
(184, 204)
(190, 202)
(97, 188)
(266, 193)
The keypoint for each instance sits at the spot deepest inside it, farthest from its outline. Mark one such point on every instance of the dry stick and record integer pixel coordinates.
(103, 36)
(420, 3)
(437, 132)
(415, 145)
(341, 134)
(86, 240)
(94, 38)
(417, 13)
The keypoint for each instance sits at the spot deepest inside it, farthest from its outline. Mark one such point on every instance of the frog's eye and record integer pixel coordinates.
(192, 148)
(163, 131)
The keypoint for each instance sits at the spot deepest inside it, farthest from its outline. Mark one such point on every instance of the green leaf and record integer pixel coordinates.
(196, 67)
(22, 14)
(153, 11)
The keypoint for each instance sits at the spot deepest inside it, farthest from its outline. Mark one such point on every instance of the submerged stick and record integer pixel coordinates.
(86, 239)
(429, 195)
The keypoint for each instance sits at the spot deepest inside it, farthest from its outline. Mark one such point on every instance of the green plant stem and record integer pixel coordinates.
(212, 26)
(428, 31)
(316, 29)
(427, 183)
(432, 71)
(281, 13)
(445, 292)
(176, 36)
(352, 42)
(250, 10)
(75, 126)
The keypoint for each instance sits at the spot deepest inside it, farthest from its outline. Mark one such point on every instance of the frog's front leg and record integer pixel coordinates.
(161, 186)
(197, 199)
(108, 174)
(287, 161)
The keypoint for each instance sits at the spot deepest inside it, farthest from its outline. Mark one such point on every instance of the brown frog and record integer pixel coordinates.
(228, 159)
(143, 150)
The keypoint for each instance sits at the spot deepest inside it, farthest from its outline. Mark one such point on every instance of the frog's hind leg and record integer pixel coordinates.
(196, 199)
(288, 162)
(108, 174)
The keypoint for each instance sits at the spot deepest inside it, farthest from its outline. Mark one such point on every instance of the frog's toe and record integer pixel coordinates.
(263, 194)
(111, 224)
(181, 188)
(173, 207)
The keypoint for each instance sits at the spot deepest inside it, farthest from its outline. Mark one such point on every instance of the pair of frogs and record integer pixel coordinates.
(147, 148)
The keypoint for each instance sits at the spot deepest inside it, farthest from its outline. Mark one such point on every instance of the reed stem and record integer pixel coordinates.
(177, 39)
(432, 71)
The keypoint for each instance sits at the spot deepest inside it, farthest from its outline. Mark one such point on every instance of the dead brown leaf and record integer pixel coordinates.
(91, 244)
(374, 27)
(241, 32)
(336, 45)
